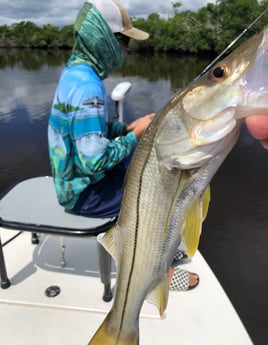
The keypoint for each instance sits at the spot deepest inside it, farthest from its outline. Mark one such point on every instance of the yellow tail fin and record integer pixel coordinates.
(104, 336)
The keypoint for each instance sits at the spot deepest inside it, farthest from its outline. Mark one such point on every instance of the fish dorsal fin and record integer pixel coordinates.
(193, 224)
(107, 240)
(159, 296)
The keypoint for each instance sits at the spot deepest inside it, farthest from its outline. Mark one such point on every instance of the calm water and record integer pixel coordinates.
(235, 234)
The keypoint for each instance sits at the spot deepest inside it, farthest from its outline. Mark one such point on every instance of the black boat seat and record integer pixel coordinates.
(32, 205)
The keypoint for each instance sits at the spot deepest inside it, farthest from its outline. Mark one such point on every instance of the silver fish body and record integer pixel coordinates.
(164, 196)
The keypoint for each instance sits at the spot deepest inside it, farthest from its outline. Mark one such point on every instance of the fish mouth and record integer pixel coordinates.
(199, 155)
(215, 129)
(205, 139)
(195, 155)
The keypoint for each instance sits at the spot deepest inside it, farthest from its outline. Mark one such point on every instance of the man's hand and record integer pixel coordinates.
(138, 126)
(258, 127)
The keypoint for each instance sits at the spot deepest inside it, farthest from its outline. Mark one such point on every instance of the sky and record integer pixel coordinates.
(60, 12)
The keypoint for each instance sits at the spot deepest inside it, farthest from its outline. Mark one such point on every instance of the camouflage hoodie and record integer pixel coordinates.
(82, 144)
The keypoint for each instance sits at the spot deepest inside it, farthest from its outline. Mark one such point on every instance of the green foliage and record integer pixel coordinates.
(29, 35)
(233, 17)
(209, 30)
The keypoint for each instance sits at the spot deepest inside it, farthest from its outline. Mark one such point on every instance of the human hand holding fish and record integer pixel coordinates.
(258, 127)
(166, 190)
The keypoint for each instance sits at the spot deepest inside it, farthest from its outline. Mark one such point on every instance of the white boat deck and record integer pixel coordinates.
(27, 316)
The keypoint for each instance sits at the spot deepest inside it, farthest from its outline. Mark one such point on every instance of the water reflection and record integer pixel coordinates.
(31, 77)
(31, 60)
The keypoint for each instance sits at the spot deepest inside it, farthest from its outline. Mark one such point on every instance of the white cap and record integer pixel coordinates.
(117, 18)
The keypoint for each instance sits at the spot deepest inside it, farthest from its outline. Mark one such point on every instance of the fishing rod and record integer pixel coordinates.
(232, 43)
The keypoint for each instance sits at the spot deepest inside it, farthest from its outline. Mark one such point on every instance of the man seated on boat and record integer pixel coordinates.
(87, 152)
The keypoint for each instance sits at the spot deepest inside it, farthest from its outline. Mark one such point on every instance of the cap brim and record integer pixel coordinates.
(136, 34)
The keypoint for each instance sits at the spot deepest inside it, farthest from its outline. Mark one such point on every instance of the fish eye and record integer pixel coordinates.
(219, 72)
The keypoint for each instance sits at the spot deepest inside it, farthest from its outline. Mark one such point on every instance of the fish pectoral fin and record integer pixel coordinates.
(193, 224)
(205, 202)
(159, 296)
(107, 240)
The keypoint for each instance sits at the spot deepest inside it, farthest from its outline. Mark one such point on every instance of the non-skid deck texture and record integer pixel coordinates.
(201, 316)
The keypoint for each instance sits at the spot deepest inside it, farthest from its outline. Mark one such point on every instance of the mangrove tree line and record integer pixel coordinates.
(210, 29)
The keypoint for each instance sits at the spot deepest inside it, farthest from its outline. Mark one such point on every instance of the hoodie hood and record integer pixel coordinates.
(95, 43)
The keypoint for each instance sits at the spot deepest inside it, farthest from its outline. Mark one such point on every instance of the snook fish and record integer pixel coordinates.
(166, 193)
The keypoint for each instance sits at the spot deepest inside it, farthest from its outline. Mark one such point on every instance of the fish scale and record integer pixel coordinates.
(146, 184)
